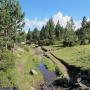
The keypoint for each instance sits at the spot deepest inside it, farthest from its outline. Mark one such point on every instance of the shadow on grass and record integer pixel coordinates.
(75, 73)
(72, 70)
(58, 47)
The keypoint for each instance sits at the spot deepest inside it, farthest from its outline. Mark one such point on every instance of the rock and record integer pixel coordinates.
(32, 88)
(84, 87)
(23, 43)
(33, 72)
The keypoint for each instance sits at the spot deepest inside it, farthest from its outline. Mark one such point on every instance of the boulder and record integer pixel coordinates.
(32, 72)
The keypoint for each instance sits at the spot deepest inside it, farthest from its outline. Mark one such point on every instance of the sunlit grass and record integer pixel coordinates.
(49, 64)
(77, 55)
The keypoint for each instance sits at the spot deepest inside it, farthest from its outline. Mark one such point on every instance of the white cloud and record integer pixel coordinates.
(88, 19)
(77, 24)
(61, 18)
(35, 23)
(57, 17)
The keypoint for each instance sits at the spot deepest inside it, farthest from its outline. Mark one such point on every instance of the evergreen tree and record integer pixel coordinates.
(70, 36)
(84, 22)
(50, 29)
(84, 32)
(35, 35)
(42, 33)
(59, 31)
(11, 19)
(5, 21)
(18, 20)
(21, 37)
(29, 36)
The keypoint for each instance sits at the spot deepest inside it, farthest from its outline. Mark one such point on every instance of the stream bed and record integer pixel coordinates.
(47, 75)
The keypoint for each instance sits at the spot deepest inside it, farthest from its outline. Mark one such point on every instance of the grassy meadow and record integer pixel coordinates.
(77, 55)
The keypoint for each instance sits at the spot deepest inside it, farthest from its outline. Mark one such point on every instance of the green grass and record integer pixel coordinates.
(7, 69)
(49, 64)
(77, 55)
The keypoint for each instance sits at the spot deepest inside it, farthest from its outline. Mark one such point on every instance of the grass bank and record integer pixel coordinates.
(49, 64)
(77, 55)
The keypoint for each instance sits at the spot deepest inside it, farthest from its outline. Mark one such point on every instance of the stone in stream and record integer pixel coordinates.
(32, 88)
(32, 72)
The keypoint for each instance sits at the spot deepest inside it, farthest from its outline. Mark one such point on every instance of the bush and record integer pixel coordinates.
(10, 45)
(46, 42)
(69, 43)
(6, 60)
(1, 42)
(84, 42)
(7, 69)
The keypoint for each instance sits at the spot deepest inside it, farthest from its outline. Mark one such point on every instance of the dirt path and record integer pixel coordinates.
(21, 62)
(23, 84)
(38, 51)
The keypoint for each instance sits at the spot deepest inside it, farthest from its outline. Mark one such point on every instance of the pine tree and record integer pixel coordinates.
(50, 29)
(59, 31)
(17, 19)
(70, 36)
(84, 32)
(5, 21)
(42, 33)
(11, 20)
(84, 22)
(29, 35)
(35, 35)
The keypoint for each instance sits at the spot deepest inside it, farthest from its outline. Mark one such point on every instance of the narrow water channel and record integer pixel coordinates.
(47, 75)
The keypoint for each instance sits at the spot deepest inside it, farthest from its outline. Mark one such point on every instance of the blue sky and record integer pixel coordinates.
(46, 8)
(41, 9)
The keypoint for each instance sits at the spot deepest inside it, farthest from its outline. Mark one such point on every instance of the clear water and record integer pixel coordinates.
(48, 76)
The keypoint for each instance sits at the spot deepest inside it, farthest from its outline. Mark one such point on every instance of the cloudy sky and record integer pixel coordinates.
(37, 12)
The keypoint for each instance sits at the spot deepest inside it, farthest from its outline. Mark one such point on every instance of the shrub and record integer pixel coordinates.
(69, 43)
(46, 42)
(10, 45)
(7, 70)
(1, 42)
(84, 42)
(6, 60)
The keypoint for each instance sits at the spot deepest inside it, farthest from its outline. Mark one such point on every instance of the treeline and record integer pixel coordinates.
(11, 25)
(68, 35)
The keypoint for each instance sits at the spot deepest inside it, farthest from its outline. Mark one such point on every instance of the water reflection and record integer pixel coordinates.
(48, 76)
